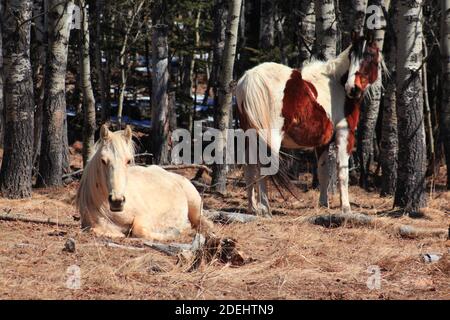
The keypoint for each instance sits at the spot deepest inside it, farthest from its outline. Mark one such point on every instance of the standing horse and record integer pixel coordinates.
(117, 198)
(307, 109)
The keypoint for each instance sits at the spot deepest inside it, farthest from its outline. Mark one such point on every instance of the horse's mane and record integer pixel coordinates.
(92, 194)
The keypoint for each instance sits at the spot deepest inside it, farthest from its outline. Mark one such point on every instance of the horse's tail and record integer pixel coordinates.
(255, 110)
(254, 101)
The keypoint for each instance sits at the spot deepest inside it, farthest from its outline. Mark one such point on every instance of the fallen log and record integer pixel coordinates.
(24, 218)
(406, 231)
(229, 217)
(337, 219)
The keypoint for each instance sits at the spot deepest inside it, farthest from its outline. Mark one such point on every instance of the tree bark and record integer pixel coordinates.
(86, 83)
(2, 118)
(54, 113)
(267, 24)
(160, 110)
(326, 29)
(222, 116)
(389, 132)
(307, 32)
(104, 91)
(410, 192)
(369, 114)
(17, 164)
(220, 15)
(445, 106)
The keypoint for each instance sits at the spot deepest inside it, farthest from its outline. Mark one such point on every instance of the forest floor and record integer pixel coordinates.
(287, 258)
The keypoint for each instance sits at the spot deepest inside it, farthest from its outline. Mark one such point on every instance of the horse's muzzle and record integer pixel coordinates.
(355, 93)
(116, 205)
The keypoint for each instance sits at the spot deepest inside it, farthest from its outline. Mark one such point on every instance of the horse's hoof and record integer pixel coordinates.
(323, 205)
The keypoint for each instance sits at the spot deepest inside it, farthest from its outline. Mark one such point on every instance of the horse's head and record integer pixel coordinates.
(116, 153)
(364, 65)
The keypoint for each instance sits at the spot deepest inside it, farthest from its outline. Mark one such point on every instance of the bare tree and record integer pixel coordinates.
(160, 79)
(86, 83)
(326, 29)
(222, 116)
(51, 162)
(307, 32)
(410, 191)
(125, 65)
(445, 107)
(17, 164)
(103, 89)
(267, 24)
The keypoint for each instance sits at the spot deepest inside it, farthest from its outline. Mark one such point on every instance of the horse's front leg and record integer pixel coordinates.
(264, 208)
(342, 167)
(323, 175)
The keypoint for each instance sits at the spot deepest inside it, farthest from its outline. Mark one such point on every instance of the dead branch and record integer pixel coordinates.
(24, 218)
(120, 246)
(406, 231)
(187, 166)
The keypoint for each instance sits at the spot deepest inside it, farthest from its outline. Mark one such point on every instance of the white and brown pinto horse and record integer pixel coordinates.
(118, 199)
(307, 109)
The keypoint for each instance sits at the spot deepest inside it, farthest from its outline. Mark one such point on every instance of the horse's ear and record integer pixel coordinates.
(128, 134)
(104, 133)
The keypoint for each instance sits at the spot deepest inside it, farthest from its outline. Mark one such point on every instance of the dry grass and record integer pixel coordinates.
(290, 259)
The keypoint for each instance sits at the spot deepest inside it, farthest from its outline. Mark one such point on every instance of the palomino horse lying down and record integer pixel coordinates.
(307, 109)
(118, 199)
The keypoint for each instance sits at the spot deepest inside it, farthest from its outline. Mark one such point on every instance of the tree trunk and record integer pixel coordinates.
(2, 118)
(88, 94)
(104, 91)
(307, 32)
(369, 114)
(353, 16)
(326, 29)
(389, 132)
(410, 192)
(267, 24)
(39, 71)
(54, 113)
(160, 118)
(222, 116)
(220, 16)
(17, 164)
(445, 107)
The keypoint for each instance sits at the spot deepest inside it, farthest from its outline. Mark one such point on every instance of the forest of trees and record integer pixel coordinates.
(95, 56)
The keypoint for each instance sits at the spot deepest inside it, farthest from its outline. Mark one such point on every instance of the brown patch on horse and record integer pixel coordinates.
(305, 120)
(352, 110)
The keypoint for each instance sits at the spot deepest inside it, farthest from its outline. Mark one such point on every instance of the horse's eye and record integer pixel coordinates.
(128, 162)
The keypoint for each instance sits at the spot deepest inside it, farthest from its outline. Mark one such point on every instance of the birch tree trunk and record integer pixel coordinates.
(104, 91)
(445, 107)
(307, 33)
(2, 118)
(86, 83)
(267, 24)
(410, 191)
(220, 15)
(160, 110)
(54, 113)
(369, 114)
(326, 29)
(222, 116)
(39, 70)
(353, 14)
(17, 164)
